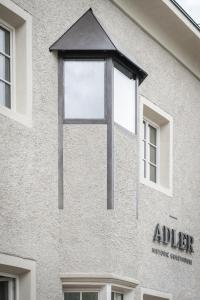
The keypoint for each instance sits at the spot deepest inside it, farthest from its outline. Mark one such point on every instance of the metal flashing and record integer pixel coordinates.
(182, 10)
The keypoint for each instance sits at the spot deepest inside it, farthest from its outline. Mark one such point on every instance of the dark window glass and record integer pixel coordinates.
(5, 94)
(3, 290)
(4, 41)
(72, 296)
(89, 296)
(4, 67)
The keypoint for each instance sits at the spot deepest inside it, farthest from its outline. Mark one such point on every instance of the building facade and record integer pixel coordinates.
(99, 151)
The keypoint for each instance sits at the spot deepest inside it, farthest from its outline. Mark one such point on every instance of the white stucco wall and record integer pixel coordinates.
(85, 236)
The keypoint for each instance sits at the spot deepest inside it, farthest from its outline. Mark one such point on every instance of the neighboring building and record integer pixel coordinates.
(100, 160)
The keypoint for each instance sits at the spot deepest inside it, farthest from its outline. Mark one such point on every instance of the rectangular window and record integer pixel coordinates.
(5, 67)
(156, 151)
(84, 89)
(124, 101)
(150, 151)
(81, 296)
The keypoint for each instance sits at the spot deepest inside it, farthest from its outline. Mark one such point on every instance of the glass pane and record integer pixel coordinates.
(144, 168)
(84, 89)
(3, 290)
(153, 173)
(72, 296)
(4, 67)
(152, 135)
(144, 130)
(89, 296)
(124, 101)
(144, 150)
(4, 41)
(4, 94)
(152, 154)
(119, 297)
(113, 296)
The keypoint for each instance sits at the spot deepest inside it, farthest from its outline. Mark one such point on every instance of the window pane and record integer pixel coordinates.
(152, 135)
(119, 297)
(153, 173)
(124, 101)
(72, 296)
(84, 89)
(153, 154)
(4, 41)
(144, 168)
(89, 296)
(4, 67)
(5, 94)
(3, 290)
(144, 130)
(144, 149)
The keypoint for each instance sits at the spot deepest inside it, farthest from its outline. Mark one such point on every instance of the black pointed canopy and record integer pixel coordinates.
(87, 34)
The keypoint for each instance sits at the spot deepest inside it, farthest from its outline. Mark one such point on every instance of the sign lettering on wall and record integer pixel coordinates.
(177, 240)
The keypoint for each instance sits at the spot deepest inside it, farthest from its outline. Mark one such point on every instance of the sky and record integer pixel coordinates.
(192, 7)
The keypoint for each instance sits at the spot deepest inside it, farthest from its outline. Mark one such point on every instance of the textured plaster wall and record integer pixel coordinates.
(85, 236)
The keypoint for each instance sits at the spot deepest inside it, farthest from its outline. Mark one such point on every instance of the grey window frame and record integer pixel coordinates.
(108, 119)
(86, 120)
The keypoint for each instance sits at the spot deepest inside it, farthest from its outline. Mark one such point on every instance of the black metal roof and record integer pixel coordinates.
(87, 34)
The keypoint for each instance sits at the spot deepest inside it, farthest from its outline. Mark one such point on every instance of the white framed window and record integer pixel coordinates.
(15, 63)
(17, 278)
(83, 295)
(156, 147)
(97, 287)
(7, 37)
(149, 294)
(150, 157)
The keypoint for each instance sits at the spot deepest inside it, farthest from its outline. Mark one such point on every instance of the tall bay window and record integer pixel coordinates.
(97, 85)
(5, 67)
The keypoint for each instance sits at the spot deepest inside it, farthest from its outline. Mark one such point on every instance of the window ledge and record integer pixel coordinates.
(157, 187)
(15, 116)
(98, 279)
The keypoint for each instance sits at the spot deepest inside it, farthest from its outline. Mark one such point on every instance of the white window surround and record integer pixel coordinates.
(23, 270)
(159, 294)
(20, 22)
(164, 121)
(105, 284)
